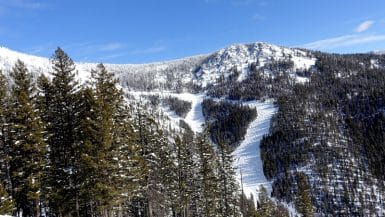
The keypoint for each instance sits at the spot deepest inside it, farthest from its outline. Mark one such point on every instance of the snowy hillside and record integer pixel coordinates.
(241, 56)
(203, 70)
(159, 71)
(179, 75)
(323, 146)
(247, 160)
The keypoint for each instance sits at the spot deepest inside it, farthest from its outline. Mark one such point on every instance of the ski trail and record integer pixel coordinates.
(195, 116)
(247, 157)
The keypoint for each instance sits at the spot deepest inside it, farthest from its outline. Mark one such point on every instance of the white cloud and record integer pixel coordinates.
(343, 41)
(364, 26)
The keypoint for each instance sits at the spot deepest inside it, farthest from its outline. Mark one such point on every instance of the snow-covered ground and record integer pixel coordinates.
(194, 117)
(247, 157)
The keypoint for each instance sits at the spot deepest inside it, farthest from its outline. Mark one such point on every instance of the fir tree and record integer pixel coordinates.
(207, 179)
(106, 145)
(184, 171)
(303, 201)
(7, 205)
(27, 145)
(148, 139)
(265, 206)
(63, 129)
(4, 148)
(228, 205)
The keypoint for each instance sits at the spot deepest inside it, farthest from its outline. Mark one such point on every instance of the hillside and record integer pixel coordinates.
(316, 140)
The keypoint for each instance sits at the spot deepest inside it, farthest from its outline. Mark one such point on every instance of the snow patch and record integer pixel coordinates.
(194, 117)
(247, 157)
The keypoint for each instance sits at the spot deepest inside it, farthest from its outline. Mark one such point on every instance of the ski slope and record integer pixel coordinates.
(247, 157)
(194, 118)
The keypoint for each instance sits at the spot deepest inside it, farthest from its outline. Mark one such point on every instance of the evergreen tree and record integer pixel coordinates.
(207, 178)
(149, 196)
(303, 201)
(27, 145)
(265, 206)
(7, 205)
(63, 130)
(106, 145)
(229, 191)
(4, 148)
(247, 206)
(184, 173)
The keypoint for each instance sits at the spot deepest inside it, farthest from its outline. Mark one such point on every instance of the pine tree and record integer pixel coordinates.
(63, 130)
(128, 155)
(229, 191)
(27, 145)
(265, 206)
(4, 148)
(7, 205)
(185, 169)
(106, 144)
(207, 178)
(303, 201)
(247, 206)
(148, 139)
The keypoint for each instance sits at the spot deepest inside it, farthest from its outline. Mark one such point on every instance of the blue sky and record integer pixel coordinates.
(138, 31)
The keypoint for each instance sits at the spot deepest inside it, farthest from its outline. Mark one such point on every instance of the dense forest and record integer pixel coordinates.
(180, 107)
(325, 152)
(227, 122)
(326, 144)
(72, 149)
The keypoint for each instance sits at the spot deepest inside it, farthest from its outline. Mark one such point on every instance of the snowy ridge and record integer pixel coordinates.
(41, 65)
(240, 56)
(247, 156)
(201, 69)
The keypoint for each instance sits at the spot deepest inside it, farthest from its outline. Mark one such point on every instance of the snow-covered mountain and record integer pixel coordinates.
(202, 70)
(242, 56)
(337, 173)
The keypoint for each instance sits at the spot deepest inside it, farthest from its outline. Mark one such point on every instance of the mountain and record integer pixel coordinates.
(307, 126)
(202, 69)
(378, 52)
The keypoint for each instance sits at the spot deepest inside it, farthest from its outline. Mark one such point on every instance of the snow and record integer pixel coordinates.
(194, 117)
(374, 64)
(241, 56)
(247, 157)
(303, 63)
(42, 65)
(5, 216)
(301, 80)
